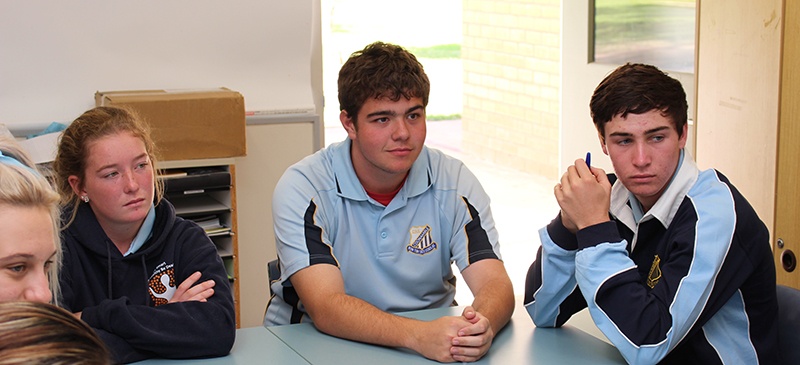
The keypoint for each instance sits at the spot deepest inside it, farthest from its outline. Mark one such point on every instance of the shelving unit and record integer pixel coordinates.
(204, 191)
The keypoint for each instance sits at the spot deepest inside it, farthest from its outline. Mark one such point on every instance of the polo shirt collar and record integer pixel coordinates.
(418, 181)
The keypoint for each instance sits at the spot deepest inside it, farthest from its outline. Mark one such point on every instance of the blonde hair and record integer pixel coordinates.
(43, 334)
(73, 148)
(22, 185)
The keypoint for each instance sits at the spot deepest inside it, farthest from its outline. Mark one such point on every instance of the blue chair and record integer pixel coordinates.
(788, 324)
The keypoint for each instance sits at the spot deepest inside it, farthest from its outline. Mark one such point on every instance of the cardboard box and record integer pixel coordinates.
(188, 124)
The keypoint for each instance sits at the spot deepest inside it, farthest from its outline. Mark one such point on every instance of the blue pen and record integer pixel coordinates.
(589, 160)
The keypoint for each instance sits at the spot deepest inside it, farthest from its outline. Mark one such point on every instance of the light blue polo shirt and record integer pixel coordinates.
(397, 257)
(145, 232)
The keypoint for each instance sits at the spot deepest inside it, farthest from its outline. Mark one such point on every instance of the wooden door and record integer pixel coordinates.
(787, 194)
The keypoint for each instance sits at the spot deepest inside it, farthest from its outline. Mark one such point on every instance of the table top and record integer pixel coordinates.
(254, 345)
(520, 342)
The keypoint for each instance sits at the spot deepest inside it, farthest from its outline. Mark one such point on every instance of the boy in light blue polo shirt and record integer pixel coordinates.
(370, 226)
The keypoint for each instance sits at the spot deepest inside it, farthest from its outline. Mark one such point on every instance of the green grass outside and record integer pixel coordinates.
(439, 117)
(340, 28)
(441, 51)
(620, 21)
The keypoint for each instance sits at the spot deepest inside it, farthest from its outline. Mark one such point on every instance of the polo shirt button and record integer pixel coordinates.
(383, 234)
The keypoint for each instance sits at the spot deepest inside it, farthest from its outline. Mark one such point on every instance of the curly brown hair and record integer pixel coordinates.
(381, 70)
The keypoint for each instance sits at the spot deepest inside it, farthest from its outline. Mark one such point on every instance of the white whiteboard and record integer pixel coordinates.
(54, 55)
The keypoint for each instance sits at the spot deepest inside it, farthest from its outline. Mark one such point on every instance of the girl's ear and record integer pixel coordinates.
(75, 183)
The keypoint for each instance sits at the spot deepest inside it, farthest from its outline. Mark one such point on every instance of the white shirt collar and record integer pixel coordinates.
(627, 209)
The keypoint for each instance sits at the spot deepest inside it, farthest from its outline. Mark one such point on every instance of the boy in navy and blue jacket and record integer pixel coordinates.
(673, 263)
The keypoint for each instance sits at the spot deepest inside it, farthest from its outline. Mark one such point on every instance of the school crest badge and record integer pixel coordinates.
(655, 273)
(421, 241)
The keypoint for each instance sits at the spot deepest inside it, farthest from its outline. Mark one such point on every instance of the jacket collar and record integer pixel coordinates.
(86, 230)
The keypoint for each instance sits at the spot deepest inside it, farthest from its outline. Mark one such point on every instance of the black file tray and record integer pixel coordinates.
(197, 180)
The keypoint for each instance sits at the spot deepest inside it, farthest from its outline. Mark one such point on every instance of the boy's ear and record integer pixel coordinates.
(684, 136)
(348, 123)
(602, 143)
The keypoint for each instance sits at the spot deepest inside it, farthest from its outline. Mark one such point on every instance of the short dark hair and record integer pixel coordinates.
(381, 70)
(638, 88)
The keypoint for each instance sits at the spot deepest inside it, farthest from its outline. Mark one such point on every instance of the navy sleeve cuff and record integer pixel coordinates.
(599, 233)
(561, 235)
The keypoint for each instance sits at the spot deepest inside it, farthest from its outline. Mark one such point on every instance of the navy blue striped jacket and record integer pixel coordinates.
(693, 281)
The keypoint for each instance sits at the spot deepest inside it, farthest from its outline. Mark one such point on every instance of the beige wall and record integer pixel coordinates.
(738, 74)
(511, 57)
(273, 144)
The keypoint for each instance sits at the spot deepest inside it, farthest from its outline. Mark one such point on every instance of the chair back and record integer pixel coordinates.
(273, 274)
(788, 324)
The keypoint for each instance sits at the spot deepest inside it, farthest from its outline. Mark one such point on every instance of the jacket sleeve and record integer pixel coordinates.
(175, 330)
(646, 324)
(122, 351)
(552, 295)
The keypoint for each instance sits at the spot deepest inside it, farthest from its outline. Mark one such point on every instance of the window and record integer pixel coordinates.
(657, 32)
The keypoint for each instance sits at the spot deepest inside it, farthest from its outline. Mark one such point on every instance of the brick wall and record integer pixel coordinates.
(511, 57)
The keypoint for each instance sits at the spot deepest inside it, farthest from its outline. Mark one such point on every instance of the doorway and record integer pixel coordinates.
(521, 201)
(579, 78)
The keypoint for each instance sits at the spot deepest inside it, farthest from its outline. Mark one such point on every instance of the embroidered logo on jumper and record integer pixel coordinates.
(421, 240)
(655, 273)
(162, 284)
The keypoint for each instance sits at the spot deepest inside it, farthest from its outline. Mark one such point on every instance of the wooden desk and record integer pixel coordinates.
(520, 342)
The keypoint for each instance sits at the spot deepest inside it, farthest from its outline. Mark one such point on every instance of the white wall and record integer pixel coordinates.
(578, 80)
(56, 54)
